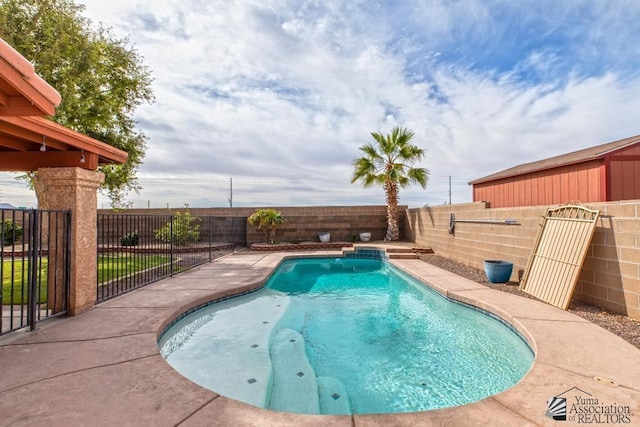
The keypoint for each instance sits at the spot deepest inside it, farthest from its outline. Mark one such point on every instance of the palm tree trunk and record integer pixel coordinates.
(393, 232)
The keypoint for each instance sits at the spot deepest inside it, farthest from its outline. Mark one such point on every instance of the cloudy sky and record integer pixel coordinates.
(279, 95)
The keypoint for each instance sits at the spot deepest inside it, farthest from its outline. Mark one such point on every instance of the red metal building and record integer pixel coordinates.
(602, 173)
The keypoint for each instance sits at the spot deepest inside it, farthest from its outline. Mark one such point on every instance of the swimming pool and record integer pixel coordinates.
(340, 336)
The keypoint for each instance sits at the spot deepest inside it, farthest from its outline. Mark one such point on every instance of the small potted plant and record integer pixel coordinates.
(324, 236)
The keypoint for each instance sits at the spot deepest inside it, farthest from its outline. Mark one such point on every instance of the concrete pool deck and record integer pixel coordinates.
(104, 367)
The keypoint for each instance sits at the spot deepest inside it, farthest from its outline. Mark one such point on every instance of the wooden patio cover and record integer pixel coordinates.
(28, 141)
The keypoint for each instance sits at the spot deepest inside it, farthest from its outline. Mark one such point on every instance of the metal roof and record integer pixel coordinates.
(580, 156)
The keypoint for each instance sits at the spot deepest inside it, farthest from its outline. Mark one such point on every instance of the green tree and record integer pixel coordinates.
(182, 229)
(389, 162)
(101, 78)
(269, 220)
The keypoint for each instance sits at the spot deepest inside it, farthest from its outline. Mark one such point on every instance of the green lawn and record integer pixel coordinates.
(110, 267)
(114, 266)
(20, 274)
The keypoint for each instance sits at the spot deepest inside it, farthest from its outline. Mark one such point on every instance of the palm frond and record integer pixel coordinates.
(390, 161)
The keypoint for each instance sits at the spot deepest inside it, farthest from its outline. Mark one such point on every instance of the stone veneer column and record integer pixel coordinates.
(76, 189)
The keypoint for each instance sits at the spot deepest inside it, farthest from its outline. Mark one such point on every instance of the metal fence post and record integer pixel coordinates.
(210, 237)
(171, 243)
(67, 258)
(32, 281)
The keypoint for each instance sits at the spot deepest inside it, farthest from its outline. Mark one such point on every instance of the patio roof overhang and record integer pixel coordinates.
(27, 140)
(22, 91)
(29, 143)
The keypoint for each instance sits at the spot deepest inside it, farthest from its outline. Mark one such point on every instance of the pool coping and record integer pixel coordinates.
(104, 366)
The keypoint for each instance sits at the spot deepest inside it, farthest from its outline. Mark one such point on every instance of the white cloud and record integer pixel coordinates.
(280, 95)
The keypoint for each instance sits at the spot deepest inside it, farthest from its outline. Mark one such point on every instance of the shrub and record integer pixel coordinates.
(180, 230)
(269, 220)
(10, 232)
(131, 239)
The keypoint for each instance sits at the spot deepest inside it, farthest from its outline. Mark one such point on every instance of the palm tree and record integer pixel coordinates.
(389, 162)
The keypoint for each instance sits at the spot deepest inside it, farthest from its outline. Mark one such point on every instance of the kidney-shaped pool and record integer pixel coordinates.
(346, 336)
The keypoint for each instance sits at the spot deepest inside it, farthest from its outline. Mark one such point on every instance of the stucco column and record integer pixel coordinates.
(77, 190)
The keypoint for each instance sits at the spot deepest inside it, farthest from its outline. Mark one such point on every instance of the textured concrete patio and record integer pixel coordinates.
(104, 367)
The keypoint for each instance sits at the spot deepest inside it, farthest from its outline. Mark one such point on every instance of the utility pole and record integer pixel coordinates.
(230, 192)
(449, 189)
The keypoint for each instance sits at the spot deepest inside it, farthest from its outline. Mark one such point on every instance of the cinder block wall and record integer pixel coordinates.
(303, 223)
(610, 277)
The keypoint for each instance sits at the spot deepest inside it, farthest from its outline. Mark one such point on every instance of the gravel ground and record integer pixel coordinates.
(623, 326)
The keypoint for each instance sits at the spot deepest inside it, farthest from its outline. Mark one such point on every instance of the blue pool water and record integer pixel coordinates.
(340, 336)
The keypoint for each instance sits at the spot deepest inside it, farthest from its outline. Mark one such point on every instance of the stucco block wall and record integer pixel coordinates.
(610, 276)
(76, 189)
(303, 223)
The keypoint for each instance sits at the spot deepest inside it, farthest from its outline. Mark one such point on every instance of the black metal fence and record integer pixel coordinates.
(34, 265)
(135, 250)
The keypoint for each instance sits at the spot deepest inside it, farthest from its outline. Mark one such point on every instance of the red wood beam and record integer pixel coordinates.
(26, 161)
(16, 131)
(59, 137)
(19, 110)
(14, 144)
(15, 105)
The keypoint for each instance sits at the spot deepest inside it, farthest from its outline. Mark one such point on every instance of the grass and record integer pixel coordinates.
(114, 266)
(20, 284)
(110, 267)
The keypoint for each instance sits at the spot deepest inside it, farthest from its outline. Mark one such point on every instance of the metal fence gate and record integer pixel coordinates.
(559, 253)
(34, 265)
(135, 250)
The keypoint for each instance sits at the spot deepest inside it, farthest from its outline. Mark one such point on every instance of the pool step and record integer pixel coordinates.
(334, 399)
(401, 253)
(240, 363)
(422, 250)
(295, 388)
